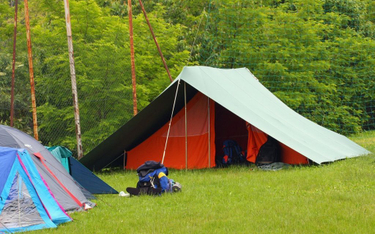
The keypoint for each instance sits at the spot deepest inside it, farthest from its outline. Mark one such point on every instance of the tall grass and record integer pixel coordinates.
(332, 198)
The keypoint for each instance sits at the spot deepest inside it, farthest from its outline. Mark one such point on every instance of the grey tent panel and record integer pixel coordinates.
(239, 91)
(14, 138)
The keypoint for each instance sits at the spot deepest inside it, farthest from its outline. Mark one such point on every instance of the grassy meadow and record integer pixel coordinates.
(332, 198)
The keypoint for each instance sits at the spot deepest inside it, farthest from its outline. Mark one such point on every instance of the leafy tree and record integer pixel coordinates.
(315, 55)
(22, 101)
(314, 64)
(102, 64)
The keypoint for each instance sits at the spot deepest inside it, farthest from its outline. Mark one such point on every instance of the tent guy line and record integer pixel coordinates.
(170, 122)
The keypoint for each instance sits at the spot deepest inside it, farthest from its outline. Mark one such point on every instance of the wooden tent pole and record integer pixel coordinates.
(156, 42)
(186, 135)
(73, 80)
(124, 161)
(31, 71)
(13, 63)
(209, 132)
(135, 109)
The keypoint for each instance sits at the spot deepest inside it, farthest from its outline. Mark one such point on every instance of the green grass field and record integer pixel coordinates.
(332, 198)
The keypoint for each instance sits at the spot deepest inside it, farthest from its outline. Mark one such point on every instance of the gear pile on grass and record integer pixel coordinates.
(153, 180)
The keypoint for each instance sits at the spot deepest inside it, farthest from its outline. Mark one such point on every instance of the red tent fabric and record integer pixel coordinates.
(256, 138)
(200, 139)
(291, 156)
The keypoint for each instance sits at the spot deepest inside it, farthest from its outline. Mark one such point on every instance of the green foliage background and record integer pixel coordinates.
(316, 55)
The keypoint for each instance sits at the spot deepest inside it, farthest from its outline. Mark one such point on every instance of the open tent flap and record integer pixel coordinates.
(62, 154)
(250, 138)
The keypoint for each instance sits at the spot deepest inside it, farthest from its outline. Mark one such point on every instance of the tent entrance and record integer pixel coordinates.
(19, 209)
(228, 126)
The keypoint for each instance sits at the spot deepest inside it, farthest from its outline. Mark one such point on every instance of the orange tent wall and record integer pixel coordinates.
(256, 138)
(198, 136)
(291, 156)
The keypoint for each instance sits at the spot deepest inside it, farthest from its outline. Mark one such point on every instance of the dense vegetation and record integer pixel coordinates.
(315, 55)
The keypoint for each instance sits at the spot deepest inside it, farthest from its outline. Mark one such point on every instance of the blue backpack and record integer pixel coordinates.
(148, 173)
(232, 153)
(153, 180)
(149, 182)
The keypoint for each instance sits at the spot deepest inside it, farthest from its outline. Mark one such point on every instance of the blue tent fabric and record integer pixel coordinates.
(80, 173)
(26, 202)
(88, 179)
(54, 209)
(35, 218)
(7, 160)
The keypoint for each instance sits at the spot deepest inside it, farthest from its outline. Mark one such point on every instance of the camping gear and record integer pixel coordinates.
(143, 191)
(26, 202)
(153, 180)
(79, 172)
(232, 154)
(69, 194)
(219, 102)
(269, 152)
(176, 187)
(275, 166)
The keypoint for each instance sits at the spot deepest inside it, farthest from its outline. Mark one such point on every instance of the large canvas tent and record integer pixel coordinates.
(26, 202)
(69, 194)
(79, 172)
(212, 105)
